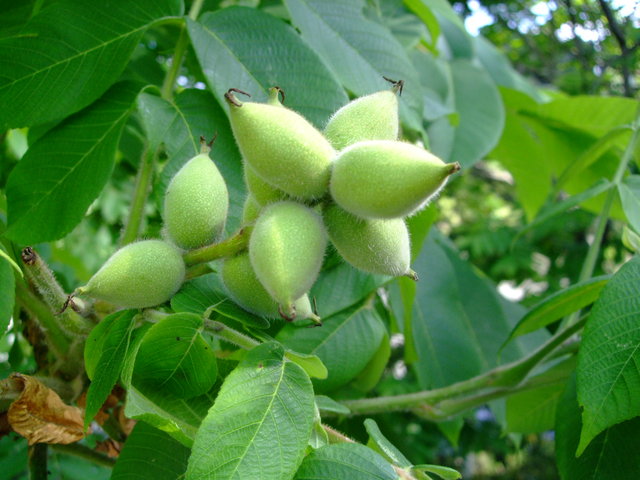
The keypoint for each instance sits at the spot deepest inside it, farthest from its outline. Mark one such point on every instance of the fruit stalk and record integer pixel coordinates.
(42, 278)
(140, 194)
(226, 248)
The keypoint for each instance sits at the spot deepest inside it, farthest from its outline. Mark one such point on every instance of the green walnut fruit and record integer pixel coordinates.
(139, 275)
(245, 289)
(373, 117)
(387, 179)
(375, 246)
(286, 250)
(196, 204)
(261, 191)
(282, 147)
(250, 210)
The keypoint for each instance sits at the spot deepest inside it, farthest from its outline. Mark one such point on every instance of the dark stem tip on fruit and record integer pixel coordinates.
(398, 85)
(290, 316)
(29, 256)
(280, 92)
(230, 97)
(412, 275)
(455, 167)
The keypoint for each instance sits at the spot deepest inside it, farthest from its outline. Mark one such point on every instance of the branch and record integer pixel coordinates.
(140, 194)
(504, 379)
(226, 248)
(82, 451)
(618, 34)
(179, 53)
(42, 278)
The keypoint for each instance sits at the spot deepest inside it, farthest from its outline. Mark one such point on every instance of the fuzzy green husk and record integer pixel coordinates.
(196, 204)
(286, 250)
(139, 275)
(387, 179)
(375, 246)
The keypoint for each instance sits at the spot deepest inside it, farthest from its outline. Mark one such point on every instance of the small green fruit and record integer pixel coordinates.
(196, 204)
(246, 290)
(139, 275)
(373, 117)
(387, 179)
(375, 246)
(261, 191)
(282, 147)
(251, 210)
(286, 250)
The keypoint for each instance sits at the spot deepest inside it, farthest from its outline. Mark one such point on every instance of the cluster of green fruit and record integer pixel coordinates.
(353, 183)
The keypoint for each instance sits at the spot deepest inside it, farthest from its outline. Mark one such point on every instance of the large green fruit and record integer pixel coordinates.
(246, 290)
(387, 179)
(261, 191)
(375, 246)
(139, 275)
(373, 117)
(196, 204)
(286, 250)
(282, 147)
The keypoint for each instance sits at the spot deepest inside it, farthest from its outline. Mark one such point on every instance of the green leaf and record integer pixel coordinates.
(590, 156)
(199, 294)
(126, 375)
(629, 192)
(444, 472)
(454, 308)
(342, 286)
(608, 378)
(498, 66)
(612, 455)
(534, 410)
(178, 417)
(383, 445)
(345, 343)
(426, 14)
(309, 363)
(226, 43)
(592, 114)
(631, 239)
(523, 154)
(557, 208)
(7, 294)
(266, 403)
(369, 377)
(74, 161)
(345, 461)
(561, 303)
(481, 116)
(94, 345)
(327, 404)
(150, 453)
(179, 125)
(174, 357)
(67, 56)
(358, 50)
(444, 9)
(109, 366)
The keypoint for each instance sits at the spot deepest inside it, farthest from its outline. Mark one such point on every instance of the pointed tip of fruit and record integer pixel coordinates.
(317, 321)
(232, 99)
(276, 96)
(412, 275)
(288, 312)
(454, 167)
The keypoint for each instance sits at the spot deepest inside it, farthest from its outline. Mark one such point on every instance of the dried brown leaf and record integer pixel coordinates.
(40, 416)
(109, 447)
